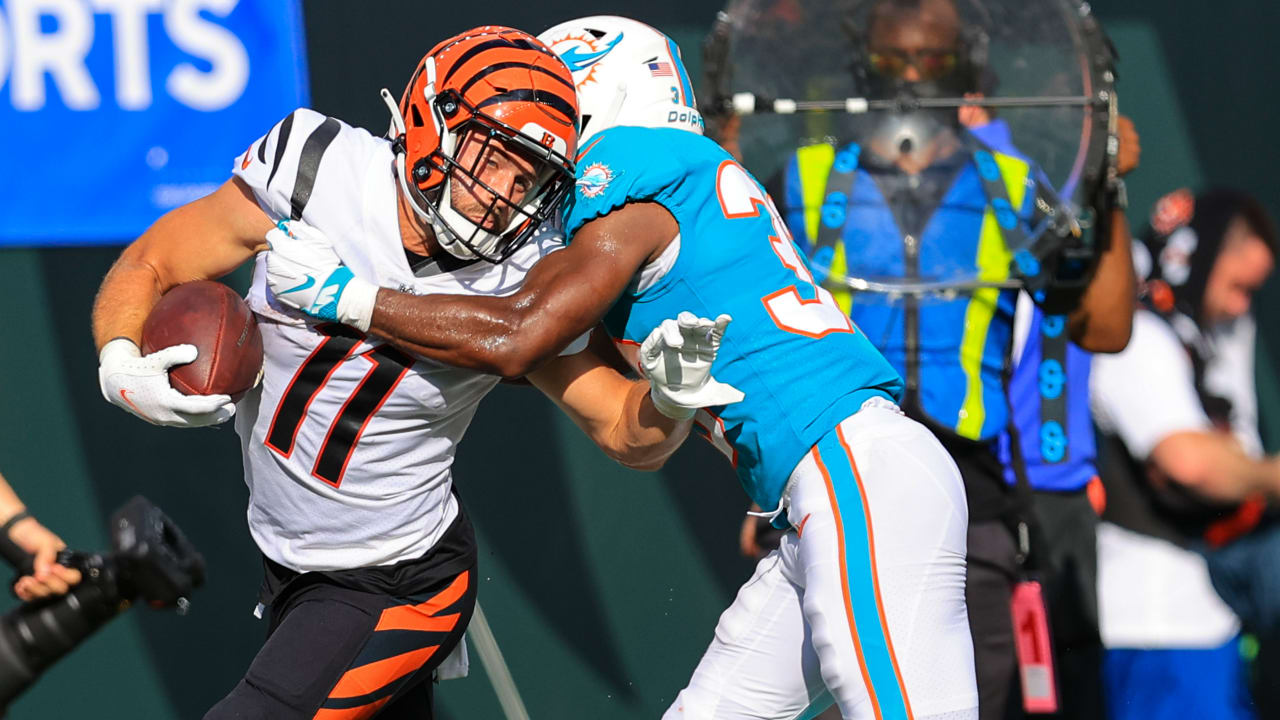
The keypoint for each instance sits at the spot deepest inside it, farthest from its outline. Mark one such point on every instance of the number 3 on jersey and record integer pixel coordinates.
(741, 197)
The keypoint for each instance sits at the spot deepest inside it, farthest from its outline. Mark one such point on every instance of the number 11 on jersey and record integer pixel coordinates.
(388, 366)
(741, 197)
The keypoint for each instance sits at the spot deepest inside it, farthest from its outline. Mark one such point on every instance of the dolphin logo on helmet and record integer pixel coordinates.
(627, 73)
(577, 60)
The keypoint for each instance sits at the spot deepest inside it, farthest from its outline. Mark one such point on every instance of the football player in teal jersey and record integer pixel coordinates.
(863, 604)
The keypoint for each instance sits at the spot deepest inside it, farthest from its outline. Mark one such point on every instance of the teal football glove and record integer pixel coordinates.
(306, 274)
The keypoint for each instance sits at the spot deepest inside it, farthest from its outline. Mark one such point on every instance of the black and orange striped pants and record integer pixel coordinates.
(335, 653)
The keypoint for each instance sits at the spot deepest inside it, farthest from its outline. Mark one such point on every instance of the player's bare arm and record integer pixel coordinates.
(640, 423)
(1104, 319)
(202, 240)
(564, 296)
(616, 413)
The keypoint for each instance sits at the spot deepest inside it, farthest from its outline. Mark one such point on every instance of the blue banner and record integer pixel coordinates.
(113, 112)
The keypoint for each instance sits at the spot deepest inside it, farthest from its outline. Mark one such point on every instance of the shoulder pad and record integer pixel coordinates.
(286, 167)
(627, 164)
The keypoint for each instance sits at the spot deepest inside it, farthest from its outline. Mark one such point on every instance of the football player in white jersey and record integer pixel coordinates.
(347, 442)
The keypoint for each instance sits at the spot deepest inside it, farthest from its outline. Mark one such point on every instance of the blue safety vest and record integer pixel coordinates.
(957, 359)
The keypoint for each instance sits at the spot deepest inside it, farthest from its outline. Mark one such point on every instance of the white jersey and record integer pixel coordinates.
(348, 442)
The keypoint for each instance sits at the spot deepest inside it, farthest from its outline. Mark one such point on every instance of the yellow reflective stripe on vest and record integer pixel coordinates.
(993, 266)
(814, 163)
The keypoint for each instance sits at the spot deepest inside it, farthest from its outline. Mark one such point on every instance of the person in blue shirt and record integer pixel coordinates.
(863, 604)
(939, 194)
(1050, 457)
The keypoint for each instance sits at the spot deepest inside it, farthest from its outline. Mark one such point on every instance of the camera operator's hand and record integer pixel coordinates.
(1129, 149)
(50, 578)
(972, 116)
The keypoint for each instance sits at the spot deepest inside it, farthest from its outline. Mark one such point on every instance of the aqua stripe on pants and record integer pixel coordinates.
(861, 586)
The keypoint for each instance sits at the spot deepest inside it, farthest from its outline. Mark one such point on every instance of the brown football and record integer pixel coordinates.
(212, 317)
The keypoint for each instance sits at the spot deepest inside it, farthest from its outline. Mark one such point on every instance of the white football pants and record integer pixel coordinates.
(864, 603)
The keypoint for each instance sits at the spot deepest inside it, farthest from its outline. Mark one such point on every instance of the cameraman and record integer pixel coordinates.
(916, 191)
(19, 527)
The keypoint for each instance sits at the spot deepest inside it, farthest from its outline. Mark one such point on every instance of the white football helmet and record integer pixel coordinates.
(626, 72)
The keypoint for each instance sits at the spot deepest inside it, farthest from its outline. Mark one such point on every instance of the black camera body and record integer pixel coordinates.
(151, 560)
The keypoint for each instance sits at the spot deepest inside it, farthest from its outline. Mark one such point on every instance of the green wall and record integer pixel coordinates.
(602, 585)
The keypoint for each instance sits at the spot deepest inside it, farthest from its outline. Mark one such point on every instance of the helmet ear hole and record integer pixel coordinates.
(448, 103)
(421, 171)
(417, 116)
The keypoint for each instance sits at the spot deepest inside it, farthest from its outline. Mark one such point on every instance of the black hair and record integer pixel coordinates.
(1209, 217)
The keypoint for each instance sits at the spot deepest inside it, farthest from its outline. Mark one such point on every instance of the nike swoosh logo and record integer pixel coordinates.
(800, 529)
(245, 162)
(124, 394)
(578, 60)
(308, 283)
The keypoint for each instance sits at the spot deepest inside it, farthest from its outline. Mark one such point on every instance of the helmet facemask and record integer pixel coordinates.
(483, 139)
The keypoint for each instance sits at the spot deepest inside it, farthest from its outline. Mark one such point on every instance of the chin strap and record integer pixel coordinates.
(444, 235)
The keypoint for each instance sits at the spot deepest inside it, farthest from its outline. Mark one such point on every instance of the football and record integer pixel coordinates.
(212, 317)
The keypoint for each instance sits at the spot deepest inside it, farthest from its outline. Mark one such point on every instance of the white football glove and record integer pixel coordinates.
(306, 274)
(677, 358)
(140, 385)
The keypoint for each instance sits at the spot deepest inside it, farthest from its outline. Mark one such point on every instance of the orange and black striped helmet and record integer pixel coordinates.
(509, 87)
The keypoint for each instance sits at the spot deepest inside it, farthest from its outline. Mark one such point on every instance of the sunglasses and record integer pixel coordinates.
(929, 64)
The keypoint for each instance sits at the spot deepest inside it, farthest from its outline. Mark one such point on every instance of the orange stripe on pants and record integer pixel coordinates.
(357, 713)
(409, 617)
(368, 678)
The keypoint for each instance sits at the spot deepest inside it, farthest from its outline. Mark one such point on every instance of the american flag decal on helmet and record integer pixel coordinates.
(661, 69)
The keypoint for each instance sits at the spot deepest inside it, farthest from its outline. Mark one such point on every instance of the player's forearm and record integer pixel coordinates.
(644, 438)
(126, 296)
(506, 336)
(202, 240)
(1104, 320)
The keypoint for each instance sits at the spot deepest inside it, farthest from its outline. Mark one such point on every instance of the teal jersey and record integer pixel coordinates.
(791, 350)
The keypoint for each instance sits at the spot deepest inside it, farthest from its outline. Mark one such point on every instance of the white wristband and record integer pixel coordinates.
(356, 306)
(668, 408)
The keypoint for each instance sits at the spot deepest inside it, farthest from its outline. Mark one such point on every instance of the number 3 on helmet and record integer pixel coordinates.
(487, 85)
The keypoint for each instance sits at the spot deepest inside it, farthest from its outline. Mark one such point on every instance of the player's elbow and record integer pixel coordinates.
(508, 365)
(512, 362)
(521, 349)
